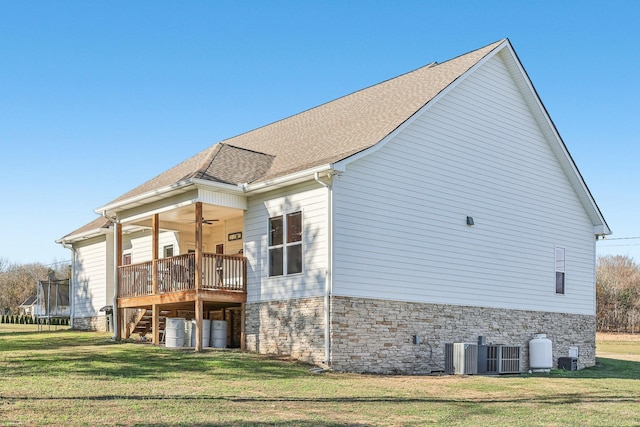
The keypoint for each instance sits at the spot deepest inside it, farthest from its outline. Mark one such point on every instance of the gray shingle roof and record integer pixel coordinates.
(325, 134)
(97, 224)
(29, 301)
(340, 128)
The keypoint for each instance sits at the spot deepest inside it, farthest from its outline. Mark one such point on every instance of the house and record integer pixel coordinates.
(364, 234)
(28, 307)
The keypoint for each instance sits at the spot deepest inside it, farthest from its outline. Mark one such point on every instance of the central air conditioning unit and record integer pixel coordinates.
(503, 359)
(461, 358)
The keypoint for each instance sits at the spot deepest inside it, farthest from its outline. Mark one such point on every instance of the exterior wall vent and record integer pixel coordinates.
(461, 358)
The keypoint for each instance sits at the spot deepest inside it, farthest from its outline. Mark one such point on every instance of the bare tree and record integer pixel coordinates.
(18, 282)
(617, 294)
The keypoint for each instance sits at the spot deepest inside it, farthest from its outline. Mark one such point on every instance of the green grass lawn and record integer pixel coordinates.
(75, 378)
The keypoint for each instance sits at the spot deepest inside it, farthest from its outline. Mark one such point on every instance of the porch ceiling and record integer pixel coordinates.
(186, 215)
(209, 212)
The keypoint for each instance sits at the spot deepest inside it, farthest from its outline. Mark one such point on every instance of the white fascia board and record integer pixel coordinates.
(178, 187)
(601, 230)
(146, 214)
(84, 235)
(286, 180)
(218, 186)
(167, 191)
(557, 139)
(342, 164)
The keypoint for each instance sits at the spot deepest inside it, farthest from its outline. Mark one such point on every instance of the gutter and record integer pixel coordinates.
(274, 183)
(329, 272)
(116, 255)
(72, 281)
(181, 185)
(140, 197)
(114, 315)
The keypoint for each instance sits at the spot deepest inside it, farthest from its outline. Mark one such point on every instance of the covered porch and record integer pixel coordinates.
(201, 276)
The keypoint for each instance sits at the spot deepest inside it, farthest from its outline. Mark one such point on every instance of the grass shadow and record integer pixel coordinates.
(28, 355)
(605, 368)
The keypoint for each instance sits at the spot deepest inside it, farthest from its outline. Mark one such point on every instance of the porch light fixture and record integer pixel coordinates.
(469, 220)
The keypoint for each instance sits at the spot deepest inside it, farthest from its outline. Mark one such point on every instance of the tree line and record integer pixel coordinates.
(20, 281)
(617, 289)
(617, 294)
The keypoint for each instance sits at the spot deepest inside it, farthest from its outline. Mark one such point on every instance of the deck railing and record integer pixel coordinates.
(177, 273)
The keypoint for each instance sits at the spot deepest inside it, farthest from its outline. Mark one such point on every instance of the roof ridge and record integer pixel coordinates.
(325, 133)
(497, 43)
(429, 65)
(207, 164)
(246, 149)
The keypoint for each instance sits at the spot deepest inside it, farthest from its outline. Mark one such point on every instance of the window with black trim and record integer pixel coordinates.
(560, 270)
(167, 251)
(285, 244)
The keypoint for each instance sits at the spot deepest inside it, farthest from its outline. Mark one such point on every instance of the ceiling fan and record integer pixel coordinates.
(208, 221)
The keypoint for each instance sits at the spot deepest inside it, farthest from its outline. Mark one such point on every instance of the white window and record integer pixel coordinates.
(285, 244)
(560, 270)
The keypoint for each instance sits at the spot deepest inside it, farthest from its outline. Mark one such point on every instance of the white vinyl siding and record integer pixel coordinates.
(310, 199)
(91, 290)
(400, 212)
(233, 225)
(139, 245)
(560, 270)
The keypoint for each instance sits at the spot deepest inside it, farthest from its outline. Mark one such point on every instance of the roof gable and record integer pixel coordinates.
(29, 301)
(340, 128)
(321, 135)
(98, 226)
(349, 127)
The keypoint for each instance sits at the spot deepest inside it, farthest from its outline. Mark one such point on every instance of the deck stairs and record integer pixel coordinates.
(142, 323)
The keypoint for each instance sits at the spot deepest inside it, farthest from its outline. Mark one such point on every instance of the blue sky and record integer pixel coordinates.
(98, 97)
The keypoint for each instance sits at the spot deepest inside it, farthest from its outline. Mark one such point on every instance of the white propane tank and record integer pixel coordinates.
(540, 353)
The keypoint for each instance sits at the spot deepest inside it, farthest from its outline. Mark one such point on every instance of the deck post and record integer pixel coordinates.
(198, 272)
(199, 315)
(155, 324)
(118, 327)
(155, 227)
(242, 327)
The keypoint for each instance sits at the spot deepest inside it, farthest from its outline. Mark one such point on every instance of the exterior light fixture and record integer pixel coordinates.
(469, 220)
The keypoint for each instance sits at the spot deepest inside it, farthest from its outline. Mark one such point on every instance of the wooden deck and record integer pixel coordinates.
(224, 279)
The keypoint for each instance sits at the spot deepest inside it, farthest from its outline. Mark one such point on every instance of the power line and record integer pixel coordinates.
(620, 238)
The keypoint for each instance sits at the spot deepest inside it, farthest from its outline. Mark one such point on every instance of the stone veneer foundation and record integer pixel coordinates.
(291, 327)
(95, 323)
(376, 336)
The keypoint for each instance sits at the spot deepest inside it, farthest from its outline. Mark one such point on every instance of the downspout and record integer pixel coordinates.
(72, 283)
(329, 274)
(114, 312)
